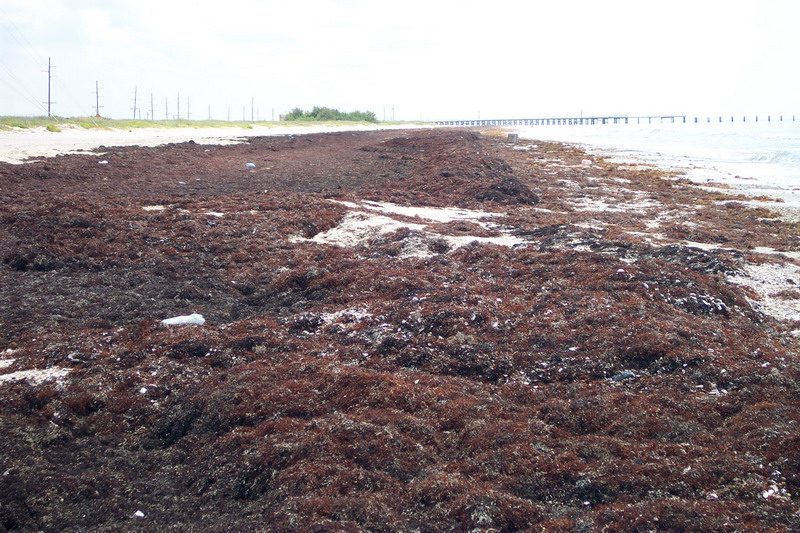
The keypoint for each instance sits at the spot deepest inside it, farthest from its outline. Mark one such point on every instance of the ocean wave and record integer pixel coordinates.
(779, 157)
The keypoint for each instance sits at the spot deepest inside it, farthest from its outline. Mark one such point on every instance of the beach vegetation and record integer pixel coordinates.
(317, 116)
(326, 114)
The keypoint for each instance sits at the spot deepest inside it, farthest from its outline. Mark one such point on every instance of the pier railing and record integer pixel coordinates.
(612, 119)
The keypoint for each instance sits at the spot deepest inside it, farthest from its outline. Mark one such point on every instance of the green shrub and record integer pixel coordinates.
(326, 113)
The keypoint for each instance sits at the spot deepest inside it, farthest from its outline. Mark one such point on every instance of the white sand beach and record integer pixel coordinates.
(18, 145)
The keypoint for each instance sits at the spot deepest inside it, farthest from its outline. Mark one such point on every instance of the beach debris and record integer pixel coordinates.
(623, 375)
(103, 162)
(194, 318)
(250, 165)
(138, 514)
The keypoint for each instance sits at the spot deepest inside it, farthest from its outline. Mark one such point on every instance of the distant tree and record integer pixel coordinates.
(326, 113)
(295, 114)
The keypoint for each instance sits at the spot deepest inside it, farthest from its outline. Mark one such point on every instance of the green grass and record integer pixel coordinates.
(56, 123)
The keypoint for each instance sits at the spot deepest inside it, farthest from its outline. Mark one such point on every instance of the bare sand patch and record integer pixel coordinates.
(364, 223)
(20, 145)
(35, 377)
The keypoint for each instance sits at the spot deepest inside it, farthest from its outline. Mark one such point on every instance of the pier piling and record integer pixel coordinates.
(594, 120)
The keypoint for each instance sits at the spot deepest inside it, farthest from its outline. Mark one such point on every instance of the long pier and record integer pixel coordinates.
(561, 121)
(612, 119)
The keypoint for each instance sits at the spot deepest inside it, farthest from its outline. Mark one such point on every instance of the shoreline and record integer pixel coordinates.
(724, 164)
(23, 145)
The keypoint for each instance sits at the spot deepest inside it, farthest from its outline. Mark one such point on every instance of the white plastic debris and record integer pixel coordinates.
(138, 514)
(103, 162)
(194, 318)
(772, 491)
(250, 165)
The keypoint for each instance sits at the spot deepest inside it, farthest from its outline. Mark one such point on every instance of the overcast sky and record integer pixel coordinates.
(433, 59)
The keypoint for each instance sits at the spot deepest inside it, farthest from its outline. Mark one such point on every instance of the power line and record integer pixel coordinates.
(28, 94)
(27, 97)
(24, 43)
(14, 31)
(80, 106)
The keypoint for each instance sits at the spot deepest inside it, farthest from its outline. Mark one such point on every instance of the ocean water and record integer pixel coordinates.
(759, 158)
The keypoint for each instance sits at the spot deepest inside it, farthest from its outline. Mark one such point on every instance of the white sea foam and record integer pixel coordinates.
(758, 158)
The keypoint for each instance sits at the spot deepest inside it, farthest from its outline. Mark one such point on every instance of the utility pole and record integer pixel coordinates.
(152, 108)
(252, 108)
(97, 99)
(166, 108)
(229, 113)
(179, 106)
(135, 91)
(49, 77)
(188, 112)
(209, 111)
(48, 87)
